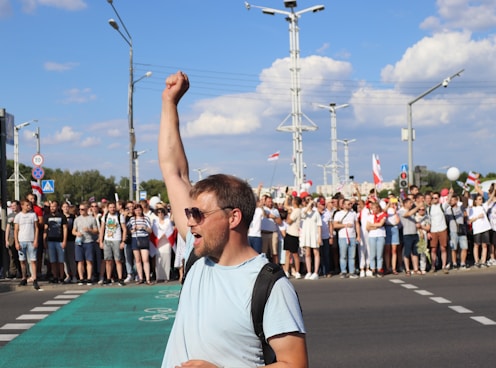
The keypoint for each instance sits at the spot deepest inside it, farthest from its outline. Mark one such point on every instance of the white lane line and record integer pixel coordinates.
(484, 320)
(397, 281)
(66, 296)
(44, 309)
(409, 286)
(440, 300)
(32, 316)
(17, 326)
(460, 309)
(75, 291)
(57, 302)
(423, 292)
(8, 337)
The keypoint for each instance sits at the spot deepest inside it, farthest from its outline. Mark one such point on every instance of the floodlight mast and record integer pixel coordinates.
(296, 128)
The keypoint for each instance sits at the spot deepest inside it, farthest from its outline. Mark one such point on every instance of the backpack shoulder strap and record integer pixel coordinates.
(190, 261)
(266, 279)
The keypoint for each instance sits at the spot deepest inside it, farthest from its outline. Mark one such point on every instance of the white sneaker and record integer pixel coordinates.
(287, 274)
(297, 275)
(362, 273)
(308, 275)
(314, 276)
(369, 273)
(128, 279)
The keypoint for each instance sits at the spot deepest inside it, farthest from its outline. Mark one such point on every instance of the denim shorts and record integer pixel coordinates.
(392, 235)
(84, 252)
(27, 251)
(55, 252)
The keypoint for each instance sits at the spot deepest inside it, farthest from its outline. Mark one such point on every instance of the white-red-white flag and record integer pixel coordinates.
(36, 188)
(274, 156)
(472, 178)
(376, 171)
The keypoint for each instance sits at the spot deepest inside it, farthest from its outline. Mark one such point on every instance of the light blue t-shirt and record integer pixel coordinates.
(213, 321)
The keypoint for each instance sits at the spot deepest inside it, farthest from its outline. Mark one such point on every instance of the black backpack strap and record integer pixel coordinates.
(190, 261)
(266, 279)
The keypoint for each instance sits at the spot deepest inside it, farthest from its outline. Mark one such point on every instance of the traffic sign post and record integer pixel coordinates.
(404, 177)
(38, 159)
(48, 186)
(38, 173)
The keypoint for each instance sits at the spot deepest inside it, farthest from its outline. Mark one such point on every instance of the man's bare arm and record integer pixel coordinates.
(171, 154)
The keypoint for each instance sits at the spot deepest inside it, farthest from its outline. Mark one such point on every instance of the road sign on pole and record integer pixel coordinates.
(38, 159)
(38, 173)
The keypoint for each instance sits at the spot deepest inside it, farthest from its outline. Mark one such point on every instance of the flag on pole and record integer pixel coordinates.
(274, 156)
(37, 189)
(472, 178)
(376, 170)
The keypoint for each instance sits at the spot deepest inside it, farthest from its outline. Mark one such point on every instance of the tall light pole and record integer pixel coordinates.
(334, 139)
(325, 167)
(410, 132)
(346, 142)
(17, 175)
(38, 150)
(136, 161)
(199, 171)
(132, 137)
(296, 127)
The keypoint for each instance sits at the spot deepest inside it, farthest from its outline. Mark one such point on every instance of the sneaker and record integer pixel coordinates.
(35, 285)
(81, 282)
(287, 274)
(353, 276)
(23, 282)
(89, 282)
(128, 279)
(67, 280)
(101, 282)
(121, 282)
(308, 275)
(463, 267)
(342, 275)
(297, 275)
(314, 276)
(362, 273)
(369, 273)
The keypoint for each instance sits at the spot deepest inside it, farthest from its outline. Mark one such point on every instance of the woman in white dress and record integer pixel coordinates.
(163, 229)
(310, 238)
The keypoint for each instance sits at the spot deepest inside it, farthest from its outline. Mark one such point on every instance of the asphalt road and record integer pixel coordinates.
(433, 320)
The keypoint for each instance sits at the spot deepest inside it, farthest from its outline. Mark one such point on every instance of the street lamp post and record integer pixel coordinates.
(132, 137)
(334, 138)
(444, 83)
(17, 175)
(325, 167)
(136, 160)
(296, 128)
(200, 171)
(346, 142)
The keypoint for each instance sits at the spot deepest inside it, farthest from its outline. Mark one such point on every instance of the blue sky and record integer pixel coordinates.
(65, 66)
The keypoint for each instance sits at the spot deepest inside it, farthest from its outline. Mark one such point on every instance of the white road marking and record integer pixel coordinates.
(8, 337)
(484, 320)
(44, 309)
(460, 309)
(440, 300)
(409, 286)
(397, 281)
(69, 296)
(56, 302)
(423, 292)
(32, 316)
(17, 326)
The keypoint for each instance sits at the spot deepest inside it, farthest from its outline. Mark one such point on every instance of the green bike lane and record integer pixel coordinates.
(105, 327)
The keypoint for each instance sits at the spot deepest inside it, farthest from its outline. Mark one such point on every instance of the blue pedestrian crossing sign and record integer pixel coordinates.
(48, 186)
(404, 168)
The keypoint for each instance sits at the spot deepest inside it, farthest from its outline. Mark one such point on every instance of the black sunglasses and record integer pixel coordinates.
(198, 215)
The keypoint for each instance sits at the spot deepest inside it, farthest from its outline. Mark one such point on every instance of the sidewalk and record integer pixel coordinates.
(7, 285)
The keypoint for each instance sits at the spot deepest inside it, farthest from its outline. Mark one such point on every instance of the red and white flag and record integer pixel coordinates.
(376, 170)
(472, 178)
(274, 156)
(36, 189)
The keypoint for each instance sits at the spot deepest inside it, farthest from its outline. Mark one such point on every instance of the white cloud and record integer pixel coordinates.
(29, 6)
(76, 95)
(53, 66)
(66, 134)
(90, 141)
(472, 15)
(5, 9)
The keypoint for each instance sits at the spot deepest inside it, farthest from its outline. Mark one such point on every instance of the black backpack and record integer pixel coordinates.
(266, 279)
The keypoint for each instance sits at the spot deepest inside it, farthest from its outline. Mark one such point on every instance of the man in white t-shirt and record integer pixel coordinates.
(26, 231)
(112, 236)
(348, 226)
(213, 326)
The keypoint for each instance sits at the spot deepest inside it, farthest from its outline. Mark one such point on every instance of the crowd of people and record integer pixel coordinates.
(369, 236)
(92, 243)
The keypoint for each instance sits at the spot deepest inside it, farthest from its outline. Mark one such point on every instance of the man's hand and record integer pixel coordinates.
(176, 86)
(197, 363)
